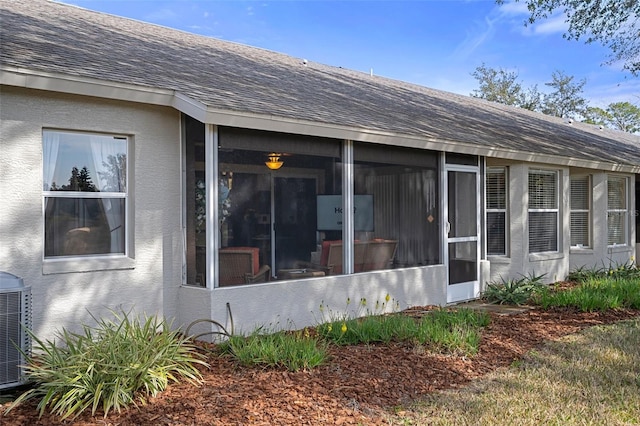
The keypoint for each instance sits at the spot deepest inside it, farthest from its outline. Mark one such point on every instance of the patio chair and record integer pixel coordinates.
(241, 265)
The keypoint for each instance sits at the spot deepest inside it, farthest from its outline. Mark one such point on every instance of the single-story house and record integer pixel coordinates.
(151, 169)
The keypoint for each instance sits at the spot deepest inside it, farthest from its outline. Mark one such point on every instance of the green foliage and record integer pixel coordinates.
(499, 85)
(514, 291)
(618, 115)
(627, 270)
(597, 294)
(564, 100)
(293, 351)
(109, 366)
(440, 330)
(614, 23)
(452, 331)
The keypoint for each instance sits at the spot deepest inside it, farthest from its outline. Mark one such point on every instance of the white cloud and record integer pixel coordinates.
(553, 25)
(481, 33)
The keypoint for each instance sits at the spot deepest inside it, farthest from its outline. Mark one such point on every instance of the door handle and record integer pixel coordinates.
(448, 227)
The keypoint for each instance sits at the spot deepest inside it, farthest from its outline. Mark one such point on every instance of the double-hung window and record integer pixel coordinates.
(543, 211)
(496, 192)
(580, 224)
(85, 194)
(617, 210)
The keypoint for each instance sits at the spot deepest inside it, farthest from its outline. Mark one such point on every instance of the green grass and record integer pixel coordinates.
(596, 294)
(590, 378)
(109, 366)
(292, 351)
(441, 330)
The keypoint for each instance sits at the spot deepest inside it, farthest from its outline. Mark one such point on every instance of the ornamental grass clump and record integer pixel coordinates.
(596, 294)
(109, 366)
(514, 291)
(293, 351)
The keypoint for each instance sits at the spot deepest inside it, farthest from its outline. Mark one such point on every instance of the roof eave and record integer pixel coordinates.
(64, 83)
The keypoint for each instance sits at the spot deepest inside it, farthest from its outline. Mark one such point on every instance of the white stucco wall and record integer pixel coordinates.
(556, 266)
(149, 281)
(600, 255)
(296, 304)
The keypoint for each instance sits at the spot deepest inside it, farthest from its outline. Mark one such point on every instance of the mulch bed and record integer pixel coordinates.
(359, 385)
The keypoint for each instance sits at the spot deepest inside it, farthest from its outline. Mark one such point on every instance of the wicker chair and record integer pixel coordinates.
(241, 265)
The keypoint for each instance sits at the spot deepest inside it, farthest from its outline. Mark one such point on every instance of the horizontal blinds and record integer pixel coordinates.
(580, 229)
(616, 193)
(543, 232)
(580, 210)
(496, 189)
(543, 192)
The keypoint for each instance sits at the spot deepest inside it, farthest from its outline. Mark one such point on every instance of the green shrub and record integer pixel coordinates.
(441, 330)
(112, 365)
(627, 270)
(512, 291)
(597, 294)
(293, 351)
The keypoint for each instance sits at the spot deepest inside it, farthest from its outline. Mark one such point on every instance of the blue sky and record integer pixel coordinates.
(435, 43)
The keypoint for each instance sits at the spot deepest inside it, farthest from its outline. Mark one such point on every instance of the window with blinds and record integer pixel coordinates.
(580, 225)
(617, 210)
(543, 211)
(496, 192)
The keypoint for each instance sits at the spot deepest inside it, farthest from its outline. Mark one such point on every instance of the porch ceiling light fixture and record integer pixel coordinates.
(274, 162)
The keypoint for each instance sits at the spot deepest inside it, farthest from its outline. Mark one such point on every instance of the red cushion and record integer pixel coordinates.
(255, 257)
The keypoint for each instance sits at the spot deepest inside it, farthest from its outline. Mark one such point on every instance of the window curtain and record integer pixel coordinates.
(51, 145)
(109, 178)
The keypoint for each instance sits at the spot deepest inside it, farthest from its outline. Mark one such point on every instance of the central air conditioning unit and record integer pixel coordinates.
(15, 320)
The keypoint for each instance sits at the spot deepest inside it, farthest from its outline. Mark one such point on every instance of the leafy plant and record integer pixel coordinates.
(513, 291)
(111, 365)
(597, 294)
(293, 351)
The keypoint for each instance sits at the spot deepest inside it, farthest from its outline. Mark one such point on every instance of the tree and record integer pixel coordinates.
(499, 85)
(80, 180)
(618, 115)
(566, 100)
(613, 23)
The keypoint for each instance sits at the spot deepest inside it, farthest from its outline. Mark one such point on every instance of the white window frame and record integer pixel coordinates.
(504, 211)
(619, 211)
(555, 210)
(581, 211)
(93, 262)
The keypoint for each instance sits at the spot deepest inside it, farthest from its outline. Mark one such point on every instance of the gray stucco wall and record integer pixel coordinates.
(148, 281)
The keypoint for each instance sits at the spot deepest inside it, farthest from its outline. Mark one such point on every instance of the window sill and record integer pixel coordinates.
(619, 249)
(540, 257)
(86, 264)
(581, 250)
(499, 259)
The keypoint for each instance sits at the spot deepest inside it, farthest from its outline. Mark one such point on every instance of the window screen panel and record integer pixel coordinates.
(543, 192)
(580, 229)
(580, 225)
(496, 189)
(543, 232)
(496, 233)
(616, 229)
(616, 193)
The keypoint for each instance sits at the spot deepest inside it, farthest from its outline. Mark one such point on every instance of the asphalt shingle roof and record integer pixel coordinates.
(57, 38)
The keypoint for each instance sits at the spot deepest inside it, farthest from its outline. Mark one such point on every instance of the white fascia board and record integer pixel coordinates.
(13, 76)
(84, 86)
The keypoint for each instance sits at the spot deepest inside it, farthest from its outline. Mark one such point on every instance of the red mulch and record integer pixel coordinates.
(357, 386)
